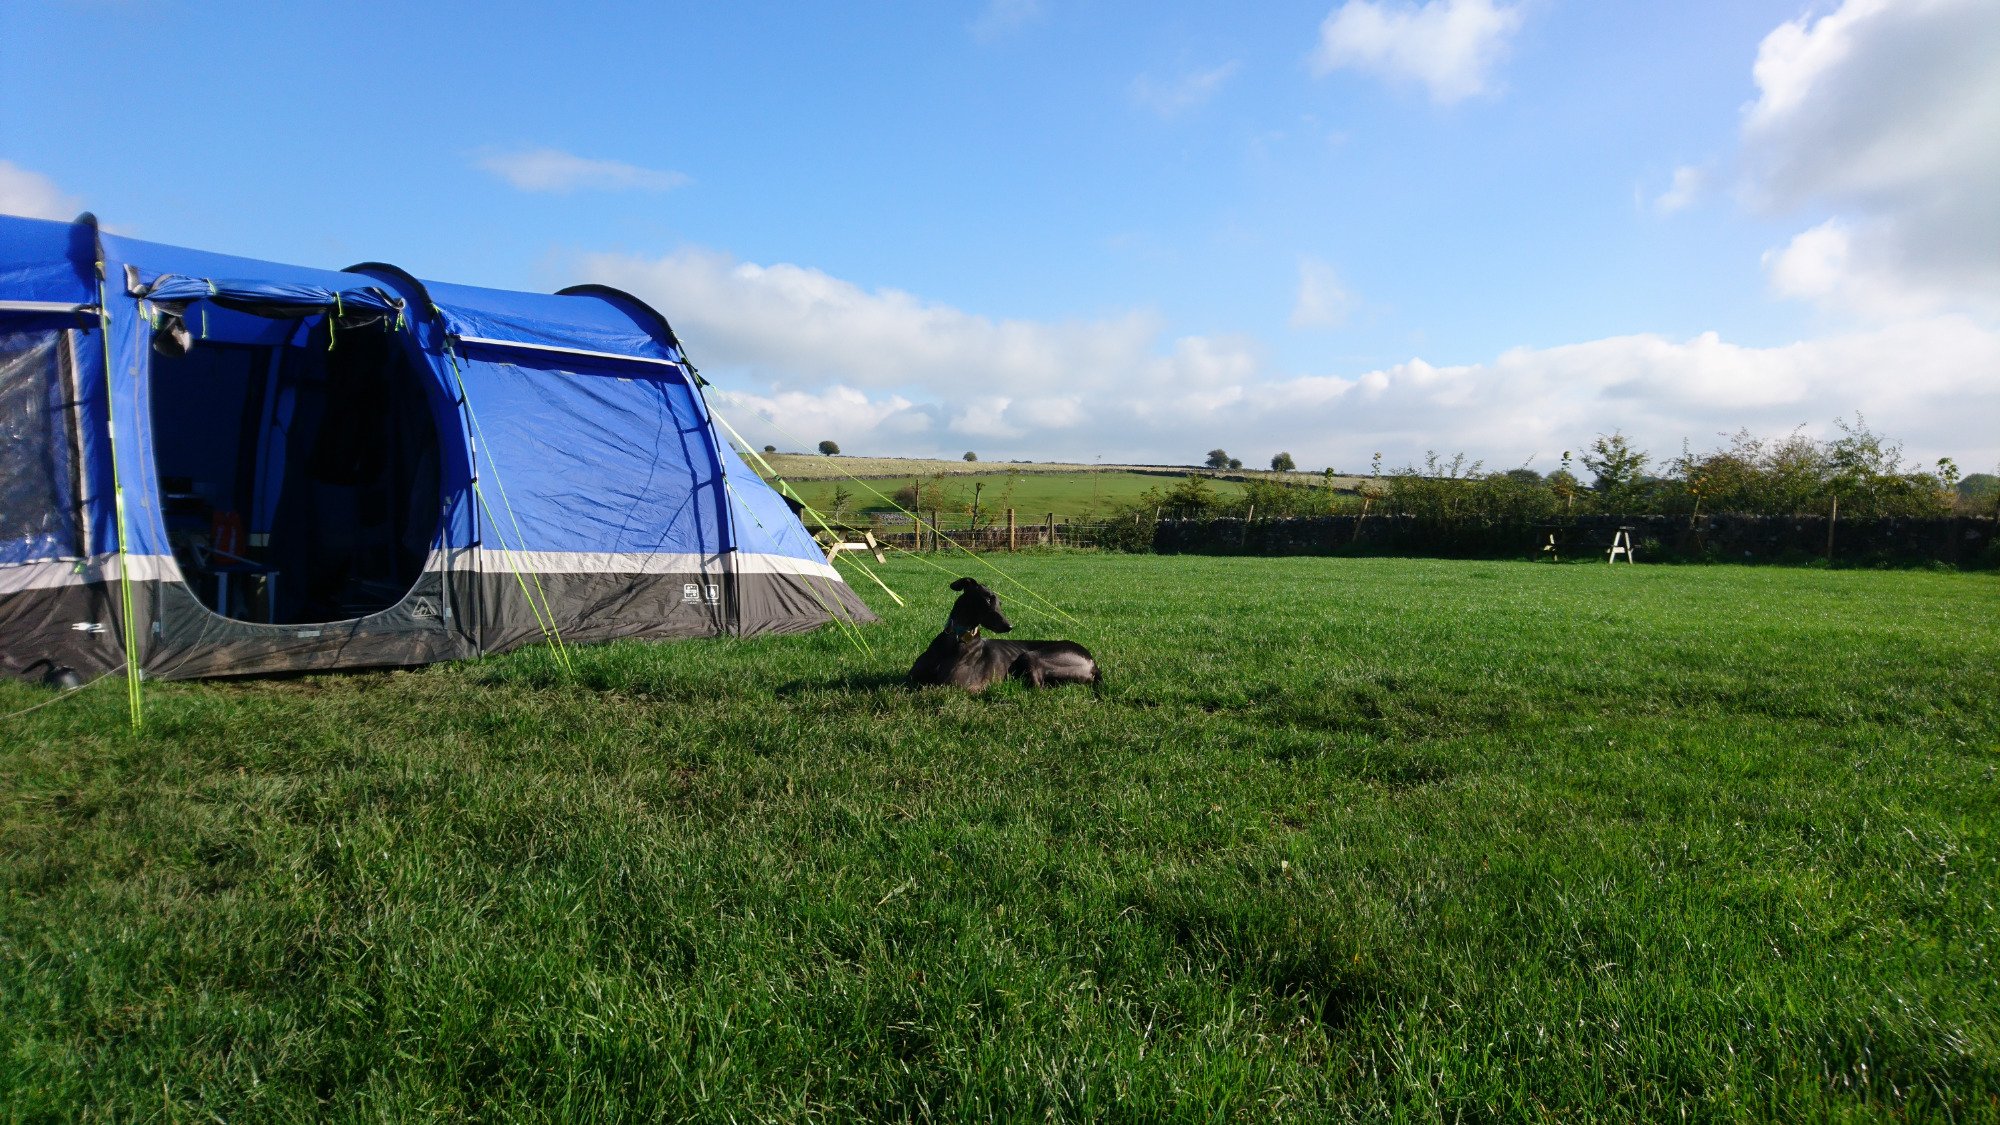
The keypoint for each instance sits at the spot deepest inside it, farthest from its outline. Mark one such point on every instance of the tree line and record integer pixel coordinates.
(1855, 474)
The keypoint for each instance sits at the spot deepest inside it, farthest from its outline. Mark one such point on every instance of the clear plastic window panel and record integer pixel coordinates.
(38, 517)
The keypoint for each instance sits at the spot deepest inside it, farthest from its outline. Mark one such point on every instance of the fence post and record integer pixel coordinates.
(1831, 519)
(1011, 545)
(1049, 533)
(1244, 540)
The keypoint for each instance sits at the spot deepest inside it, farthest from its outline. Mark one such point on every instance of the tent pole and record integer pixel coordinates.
(134, 702)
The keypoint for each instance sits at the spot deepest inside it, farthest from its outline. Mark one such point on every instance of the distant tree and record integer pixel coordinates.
(927, 494)
(1191, 498)
(1518, 495)
(830, 448)
(770, 449)
(1979, 493)
(1438, 489)
(1619, 470)
(1566, 488)
(1283, 463)
(1270, 497)
(840, 501)
(1235, 462)
(1218, 458)
(971, 456)
(1979, 489)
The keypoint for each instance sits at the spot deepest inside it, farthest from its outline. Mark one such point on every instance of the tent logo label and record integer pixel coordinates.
(694, 593)
(423, 609)
(690, 593)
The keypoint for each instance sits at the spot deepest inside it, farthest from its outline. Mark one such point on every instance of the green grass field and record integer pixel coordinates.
(811, 466)
(1033, 490)
(1033, 496)
(1342, 839)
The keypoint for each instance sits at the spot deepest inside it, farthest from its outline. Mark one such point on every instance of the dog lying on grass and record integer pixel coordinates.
(961, 657)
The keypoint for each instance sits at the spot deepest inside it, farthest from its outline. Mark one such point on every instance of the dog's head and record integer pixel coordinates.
(977, 608)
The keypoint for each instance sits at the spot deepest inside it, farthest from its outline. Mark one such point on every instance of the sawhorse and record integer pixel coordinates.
(1621, 544)
(865, 543)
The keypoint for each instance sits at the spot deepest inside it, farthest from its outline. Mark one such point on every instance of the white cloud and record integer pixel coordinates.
(1687, 186)
(985, 416)
(1175, 96)
(1001, 18)
(835, 412)
(884, 371)
(552, 170)
(1449, 46)
(34, 196)
(1323, 301)
(787, 323)
(1833, 266)
(1885, 114)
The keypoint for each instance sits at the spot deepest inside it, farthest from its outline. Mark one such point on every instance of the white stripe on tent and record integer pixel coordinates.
(46, 307)
(54, 574)
(51, 574)
(500, 561)
(563, 351)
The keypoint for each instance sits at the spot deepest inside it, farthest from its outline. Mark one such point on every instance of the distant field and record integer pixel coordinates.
(804, 466)
(808, 466)
(1070, 491)
(1341, 840)
(1071, 496)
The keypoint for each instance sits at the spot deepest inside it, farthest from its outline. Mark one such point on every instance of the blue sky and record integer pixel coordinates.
(1134, 231)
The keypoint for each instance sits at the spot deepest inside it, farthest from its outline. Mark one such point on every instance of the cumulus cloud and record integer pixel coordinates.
(1885, 114)
(1687, 186)
(884, 370)
(1538, 401)
(552, 170)
(788, 323)
(1323, 301)
(1448, 46)
(34, 195)
(1175, 96)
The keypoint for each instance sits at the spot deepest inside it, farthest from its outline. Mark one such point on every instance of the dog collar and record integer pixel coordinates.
(959, 632)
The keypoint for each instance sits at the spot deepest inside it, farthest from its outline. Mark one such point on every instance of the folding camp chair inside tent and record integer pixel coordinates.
(323, 469)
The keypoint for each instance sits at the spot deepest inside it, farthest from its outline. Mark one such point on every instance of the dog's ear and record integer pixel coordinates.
(965, 584)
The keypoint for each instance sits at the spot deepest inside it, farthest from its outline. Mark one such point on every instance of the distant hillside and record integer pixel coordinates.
(1035, 490)
(813, 466)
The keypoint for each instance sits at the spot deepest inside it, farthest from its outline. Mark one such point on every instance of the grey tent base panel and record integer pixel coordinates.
(76, 626)
(662, 606)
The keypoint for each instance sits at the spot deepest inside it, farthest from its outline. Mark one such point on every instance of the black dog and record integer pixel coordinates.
(961, 657)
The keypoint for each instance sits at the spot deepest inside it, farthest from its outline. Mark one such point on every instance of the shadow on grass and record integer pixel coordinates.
(847, 682)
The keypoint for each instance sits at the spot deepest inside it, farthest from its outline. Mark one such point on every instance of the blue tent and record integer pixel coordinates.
(224, 466)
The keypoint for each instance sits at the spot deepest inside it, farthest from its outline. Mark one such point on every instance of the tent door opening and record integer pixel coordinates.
(299, 483)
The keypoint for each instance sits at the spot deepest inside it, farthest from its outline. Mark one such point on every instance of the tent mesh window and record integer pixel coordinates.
(305, 474)
(38, 518)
